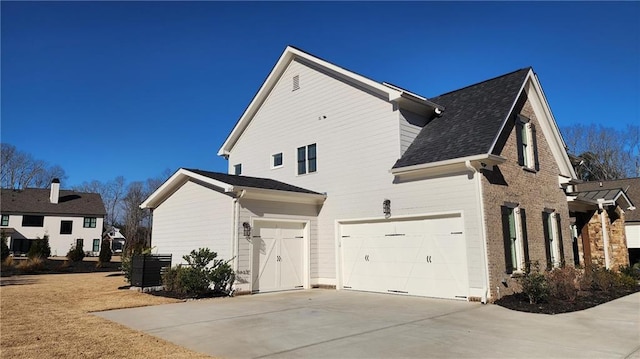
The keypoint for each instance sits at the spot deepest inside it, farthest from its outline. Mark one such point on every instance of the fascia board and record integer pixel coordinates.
(559, 140)
(287, 56)
(178, 178)
(487, 158)
(281, 196)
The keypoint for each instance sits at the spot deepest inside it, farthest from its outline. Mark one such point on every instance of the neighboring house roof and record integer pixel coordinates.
(631, 186)
(472, 120)
(36, 201)
(113, 233)
(238, 186)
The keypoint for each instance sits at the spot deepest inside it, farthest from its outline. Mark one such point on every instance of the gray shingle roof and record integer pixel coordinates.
(253, 182)
(36, 200)
(630, 185)
(471, 121)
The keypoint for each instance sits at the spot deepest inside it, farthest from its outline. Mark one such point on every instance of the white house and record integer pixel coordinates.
(69, 218)
(115, 237)
(336, 180)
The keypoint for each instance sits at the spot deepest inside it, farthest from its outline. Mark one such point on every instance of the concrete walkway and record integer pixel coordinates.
(345, 324)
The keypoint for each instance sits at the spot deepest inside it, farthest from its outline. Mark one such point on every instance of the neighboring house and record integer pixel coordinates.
(340, 181)
(70, 218)
(610, 205)
(113, 235)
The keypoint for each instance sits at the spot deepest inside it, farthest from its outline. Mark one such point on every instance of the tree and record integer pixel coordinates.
(19, 170)
(134, 217)
(111, 193)
(604, 153)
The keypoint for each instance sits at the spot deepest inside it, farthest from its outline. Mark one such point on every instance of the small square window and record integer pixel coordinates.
(276, 160)
(66, 227)
(237, 169)
(5, 220)
(90, 222)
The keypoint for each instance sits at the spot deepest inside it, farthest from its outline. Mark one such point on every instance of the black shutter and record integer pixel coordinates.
(559, 226)
(507, 239)
(535, 147)
(525, 241)
(521, 154)
(547, 248)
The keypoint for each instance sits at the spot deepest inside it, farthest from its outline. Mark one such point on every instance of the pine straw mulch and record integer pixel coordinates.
(49, 316)
(584, 300)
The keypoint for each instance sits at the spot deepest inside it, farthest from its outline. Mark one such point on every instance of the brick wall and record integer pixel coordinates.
(532, 190)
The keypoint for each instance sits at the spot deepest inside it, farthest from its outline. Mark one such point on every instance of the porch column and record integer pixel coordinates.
(605, 234)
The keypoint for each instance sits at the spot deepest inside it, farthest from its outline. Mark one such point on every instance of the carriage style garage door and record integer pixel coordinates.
(425, 257)
(278, 256)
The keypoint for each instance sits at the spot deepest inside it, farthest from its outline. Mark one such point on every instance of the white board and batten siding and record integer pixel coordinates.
(193, 217)
(359, 138)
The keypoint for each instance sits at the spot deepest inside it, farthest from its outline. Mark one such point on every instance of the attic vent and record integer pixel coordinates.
(296, 82)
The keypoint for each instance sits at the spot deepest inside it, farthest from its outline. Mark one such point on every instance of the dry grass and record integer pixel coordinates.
(48, 316)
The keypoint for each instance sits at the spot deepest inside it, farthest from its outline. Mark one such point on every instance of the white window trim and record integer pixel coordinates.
(235, 167)
(306, 160)
(272, 158)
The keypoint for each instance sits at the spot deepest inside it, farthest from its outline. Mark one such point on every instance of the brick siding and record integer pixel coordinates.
(532, 190)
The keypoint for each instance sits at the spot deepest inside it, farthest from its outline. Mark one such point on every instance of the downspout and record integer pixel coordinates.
(605, 234)
(476, 177)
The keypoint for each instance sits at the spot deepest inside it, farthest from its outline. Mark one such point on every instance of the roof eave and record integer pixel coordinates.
(455, 164)
(280, 196)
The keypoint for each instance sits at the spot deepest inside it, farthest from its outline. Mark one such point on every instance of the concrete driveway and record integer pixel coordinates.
(346, 324)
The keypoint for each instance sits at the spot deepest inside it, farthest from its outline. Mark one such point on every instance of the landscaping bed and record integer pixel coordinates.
(584, 300)
(56, 265)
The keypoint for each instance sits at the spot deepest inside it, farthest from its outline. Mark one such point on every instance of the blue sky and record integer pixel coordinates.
(134, 88)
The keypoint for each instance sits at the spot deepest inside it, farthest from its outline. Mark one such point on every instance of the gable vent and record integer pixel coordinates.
(296, 82)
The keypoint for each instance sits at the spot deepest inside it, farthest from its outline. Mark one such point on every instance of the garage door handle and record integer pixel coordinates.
(366, 258)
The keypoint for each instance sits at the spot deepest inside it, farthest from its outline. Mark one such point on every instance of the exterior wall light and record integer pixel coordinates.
(386, 208)
(246, 229)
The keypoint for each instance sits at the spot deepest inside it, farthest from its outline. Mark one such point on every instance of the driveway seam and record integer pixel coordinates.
(362, 333)
(225, 318)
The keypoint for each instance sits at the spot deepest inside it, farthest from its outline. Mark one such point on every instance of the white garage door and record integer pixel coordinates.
(425, 257)
(278, 256)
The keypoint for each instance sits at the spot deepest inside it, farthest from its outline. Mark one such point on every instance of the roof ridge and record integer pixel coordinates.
(482, 82)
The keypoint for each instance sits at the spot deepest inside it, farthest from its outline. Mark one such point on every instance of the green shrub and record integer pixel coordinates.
(170, 278)
(200, 275)
(105, 252)
(625, 281)
(3, 247)
(563, 283)
(40, 248)
(534, 285)
(75, 254)
(222, 277)
(631, 271)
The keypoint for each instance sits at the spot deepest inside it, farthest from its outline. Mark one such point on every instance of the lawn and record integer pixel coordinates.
(49, 316)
